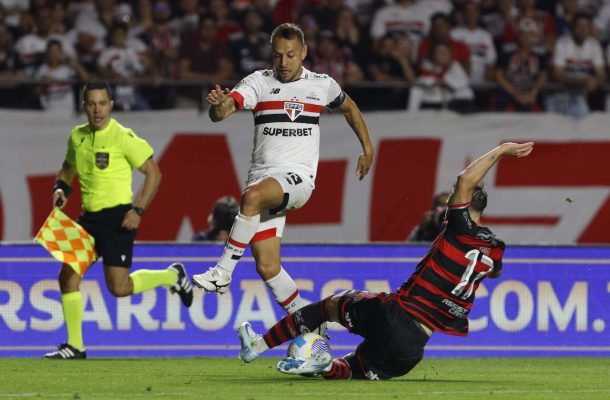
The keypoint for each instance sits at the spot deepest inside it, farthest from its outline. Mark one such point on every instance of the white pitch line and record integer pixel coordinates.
(209, 347)
(381, 260)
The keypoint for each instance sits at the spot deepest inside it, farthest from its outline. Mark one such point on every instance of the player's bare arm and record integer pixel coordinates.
(469, 178)
(354, 118)
(221, 104)
(65, 174)
(149, 189)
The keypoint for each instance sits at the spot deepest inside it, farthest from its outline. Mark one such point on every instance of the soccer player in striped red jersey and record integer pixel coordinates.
(396, 326)
(286, 103)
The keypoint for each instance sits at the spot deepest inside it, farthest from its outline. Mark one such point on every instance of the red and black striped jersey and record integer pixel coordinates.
(441, 291)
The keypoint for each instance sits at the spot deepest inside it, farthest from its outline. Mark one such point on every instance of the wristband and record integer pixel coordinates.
(63, 186)
(138, 210)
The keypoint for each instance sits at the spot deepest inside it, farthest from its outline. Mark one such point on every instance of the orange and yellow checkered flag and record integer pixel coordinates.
(67, 241)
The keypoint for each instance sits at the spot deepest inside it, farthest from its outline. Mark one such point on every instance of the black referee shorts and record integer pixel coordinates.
(393, 342)
(112, 242)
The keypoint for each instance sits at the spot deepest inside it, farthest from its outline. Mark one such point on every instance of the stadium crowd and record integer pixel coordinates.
(465, 55)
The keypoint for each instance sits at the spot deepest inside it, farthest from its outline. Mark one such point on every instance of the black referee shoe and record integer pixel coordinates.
(183, 285)
(66, 352)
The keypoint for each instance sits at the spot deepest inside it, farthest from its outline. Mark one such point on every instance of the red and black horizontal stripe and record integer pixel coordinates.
(271, 118)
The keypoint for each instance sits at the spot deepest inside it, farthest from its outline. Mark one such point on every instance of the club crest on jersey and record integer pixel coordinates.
(293, 109)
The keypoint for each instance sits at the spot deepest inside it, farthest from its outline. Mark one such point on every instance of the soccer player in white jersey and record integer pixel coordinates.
(286, 103)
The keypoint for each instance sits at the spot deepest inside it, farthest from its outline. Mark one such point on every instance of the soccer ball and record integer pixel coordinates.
(307, 345)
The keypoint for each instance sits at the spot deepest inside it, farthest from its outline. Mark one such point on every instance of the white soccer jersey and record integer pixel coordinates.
(412, 20)
(286, 120)
(482, 50)
(578, 61)
(57, 96)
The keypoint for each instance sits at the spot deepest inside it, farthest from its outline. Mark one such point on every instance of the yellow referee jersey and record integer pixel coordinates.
(104, 161)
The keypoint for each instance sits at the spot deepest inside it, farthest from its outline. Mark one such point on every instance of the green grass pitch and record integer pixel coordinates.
(229, 378)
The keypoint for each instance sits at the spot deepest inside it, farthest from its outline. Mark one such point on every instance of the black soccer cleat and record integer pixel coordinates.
(66, 352)
(183, 285)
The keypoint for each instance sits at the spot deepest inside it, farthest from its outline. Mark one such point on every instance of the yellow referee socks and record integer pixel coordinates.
(144, 279)
(72, 304)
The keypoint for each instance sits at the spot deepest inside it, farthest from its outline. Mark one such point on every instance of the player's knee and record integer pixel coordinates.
(119, 289)
(251, 199)
(69, 280)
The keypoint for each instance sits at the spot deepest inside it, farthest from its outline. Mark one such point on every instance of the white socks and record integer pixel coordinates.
(242, 232)
(285, 291)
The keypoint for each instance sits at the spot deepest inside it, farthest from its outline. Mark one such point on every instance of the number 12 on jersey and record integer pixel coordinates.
(473, 256)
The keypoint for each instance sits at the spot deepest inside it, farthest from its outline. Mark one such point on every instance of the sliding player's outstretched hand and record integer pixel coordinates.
(217, 95)
(517, 149)
(364, 165)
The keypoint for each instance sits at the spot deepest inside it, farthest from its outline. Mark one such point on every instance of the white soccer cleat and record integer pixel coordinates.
(215, 280)
(309, 366)
(247, 336)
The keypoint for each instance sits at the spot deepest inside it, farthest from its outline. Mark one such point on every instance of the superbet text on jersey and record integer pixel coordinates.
(286, 119)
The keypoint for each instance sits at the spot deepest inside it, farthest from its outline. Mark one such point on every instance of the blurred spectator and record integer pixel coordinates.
(480, 43)
(203, 59)
(431, 223)
(544, 39)
(119, 62)
(163, 42)
(249, 49)
(145, 14)
(364, 10)
(496, 15)
(87, 49)
(264, 9)
(12, 10)
(309, 26)
(391, 61)
(565, 16)
(440, 28)
(331, 60)
(285, 11)
(9, 89)
(346, 30)
(187, 20)
(32, 47)
(442, 83)
(402, 17)
(225, 21)
(56, 74)
(328, 12)
(58, 18)
(431, 7)
(220, 220)
(602, 22)
(95, 18)
(521, 73)
(578, 63)
(590, 7)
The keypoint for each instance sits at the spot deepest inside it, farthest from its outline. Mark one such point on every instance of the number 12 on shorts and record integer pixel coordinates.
(473, 256)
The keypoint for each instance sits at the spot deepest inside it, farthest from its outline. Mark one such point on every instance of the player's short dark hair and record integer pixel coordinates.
(288, 31)
(479, 198)
(223, 213)
(95, 85)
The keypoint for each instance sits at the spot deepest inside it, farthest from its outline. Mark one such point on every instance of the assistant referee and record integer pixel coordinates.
(103, 153)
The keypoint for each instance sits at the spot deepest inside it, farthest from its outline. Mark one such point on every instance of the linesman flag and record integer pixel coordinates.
(67, 241)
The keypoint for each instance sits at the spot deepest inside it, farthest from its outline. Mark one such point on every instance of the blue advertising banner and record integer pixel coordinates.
(549, 301)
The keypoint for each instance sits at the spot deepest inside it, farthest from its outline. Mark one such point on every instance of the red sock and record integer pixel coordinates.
(339, 370)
